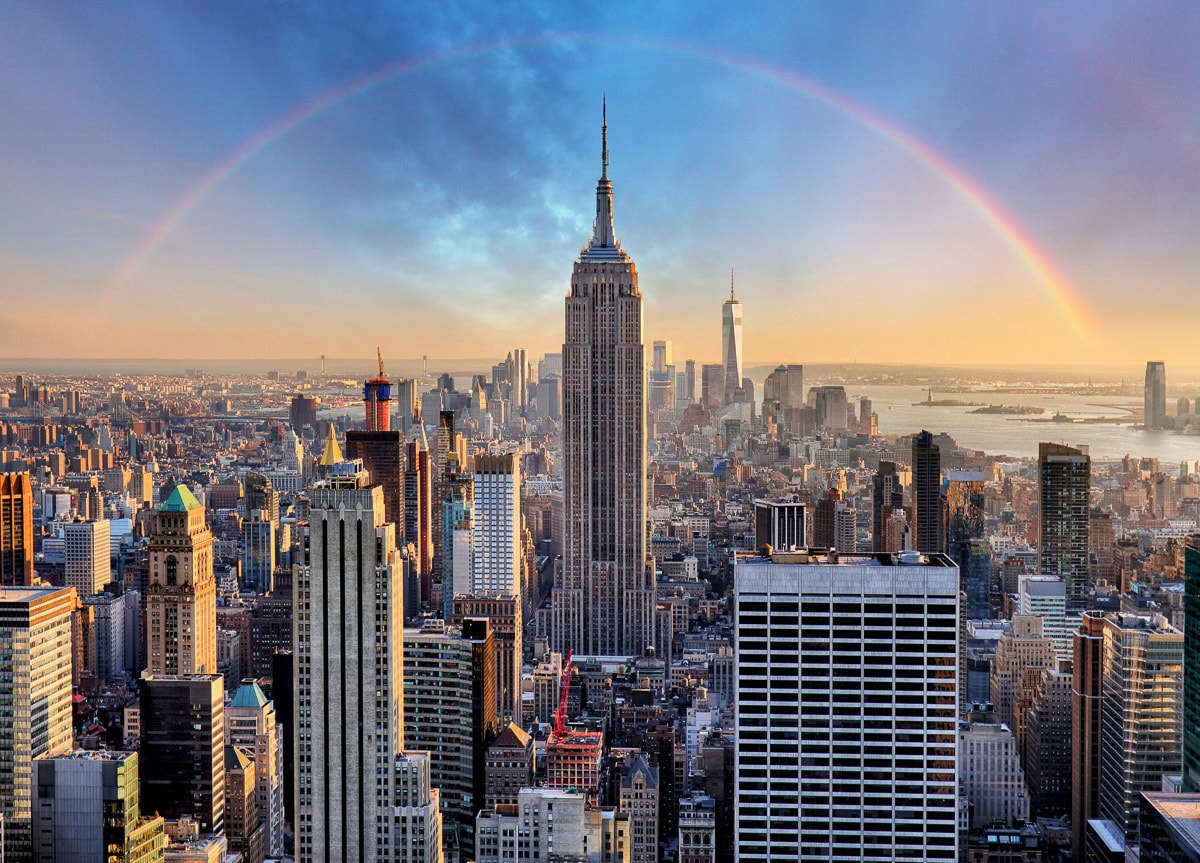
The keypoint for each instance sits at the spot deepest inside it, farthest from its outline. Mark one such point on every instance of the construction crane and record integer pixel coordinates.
(379, 354)
(560, 715)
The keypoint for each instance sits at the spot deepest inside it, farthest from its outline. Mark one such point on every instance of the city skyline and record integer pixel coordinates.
(846, 156)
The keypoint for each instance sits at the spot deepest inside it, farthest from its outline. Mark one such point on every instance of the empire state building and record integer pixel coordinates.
(604, 597)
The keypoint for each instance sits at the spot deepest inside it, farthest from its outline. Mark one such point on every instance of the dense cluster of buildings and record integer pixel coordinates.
(583, 610)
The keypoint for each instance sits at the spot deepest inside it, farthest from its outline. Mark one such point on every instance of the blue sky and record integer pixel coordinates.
(439, 211)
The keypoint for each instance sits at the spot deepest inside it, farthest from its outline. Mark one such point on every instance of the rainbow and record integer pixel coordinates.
(1065, 297)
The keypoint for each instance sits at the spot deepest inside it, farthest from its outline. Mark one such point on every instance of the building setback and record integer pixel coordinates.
(604, 595)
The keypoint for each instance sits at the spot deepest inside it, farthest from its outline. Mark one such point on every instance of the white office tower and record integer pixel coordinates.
(87, 556)
(349, 674)
(1046, 595)
(846, 707)
(250, 725)
(497, 534)
(416, 817)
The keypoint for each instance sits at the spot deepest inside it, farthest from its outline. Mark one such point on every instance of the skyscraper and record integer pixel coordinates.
(450, 711)
(1191, 664)
(88, 556)
(1141, 714)
(497, 537)
(963, 510)
(731, 344)
(385, 459)
(183, 748)
(1064, 482)
(846, 707)
(35, 697)
(181, 598)
(349, 674)
(16, 529)
(887, 497)
(928, 530)
(1155, 416)
(377, 399)
(604, 597)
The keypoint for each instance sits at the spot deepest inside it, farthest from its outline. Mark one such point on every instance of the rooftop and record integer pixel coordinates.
(1180, 812)
(181, 500)
(832, 557)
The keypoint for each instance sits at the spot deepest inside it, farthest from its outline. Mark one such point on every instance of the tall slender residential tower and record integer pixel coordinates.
(731, 344)
(181, 601)
(1156, 395)
(1064, 482)
(604, 596)
(349, 698)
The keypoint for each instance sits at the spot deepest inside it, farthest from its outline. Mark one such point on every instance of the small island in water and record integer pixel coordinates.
(1009, 409)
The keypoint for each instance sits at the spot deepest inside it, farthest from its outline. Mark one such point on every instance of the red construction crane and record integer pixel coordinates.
(560, 715)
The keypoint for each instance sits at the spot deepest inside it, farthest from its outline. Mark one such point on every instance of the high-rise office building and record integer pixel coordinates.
(250, 725)
(505, 615)
(497, 518)
(181, 597)
(417, 814)
(1026, 646)
(846, 707)
(829, 404)
(781, 524)
(258, 550)
(418, 508)
(604, 596)
(87, 556)
(109, 616)
(990, 768)
(16, 529)
(450, 711)
(1141, 714)
(86, 810)
(731, 345)
(1046, 754)
(887, 497)
(1191, 664)
(963, 509)
(1086, 692)
(384, 458)
(349, 699)
(260, 493)
(1064, 482)
(928, 527)
(35, 698)
(1155, 414)
(182, 752)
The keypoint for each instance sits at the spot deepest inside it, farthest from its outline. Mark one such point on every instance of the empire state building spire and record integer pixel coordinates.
(603, 245)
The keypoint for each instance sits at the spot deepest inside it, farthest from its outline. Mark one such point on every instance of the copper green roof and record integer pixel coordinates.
(249, 694)
(181, 500)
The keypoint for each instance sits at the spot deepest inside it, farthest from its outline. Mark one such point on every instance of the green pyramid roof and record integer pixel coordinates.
(249, 695)
(181, 500)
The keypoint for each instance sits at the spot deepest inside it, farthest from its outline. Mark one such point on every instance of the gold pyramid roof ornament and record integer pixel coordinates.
(333, 452)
